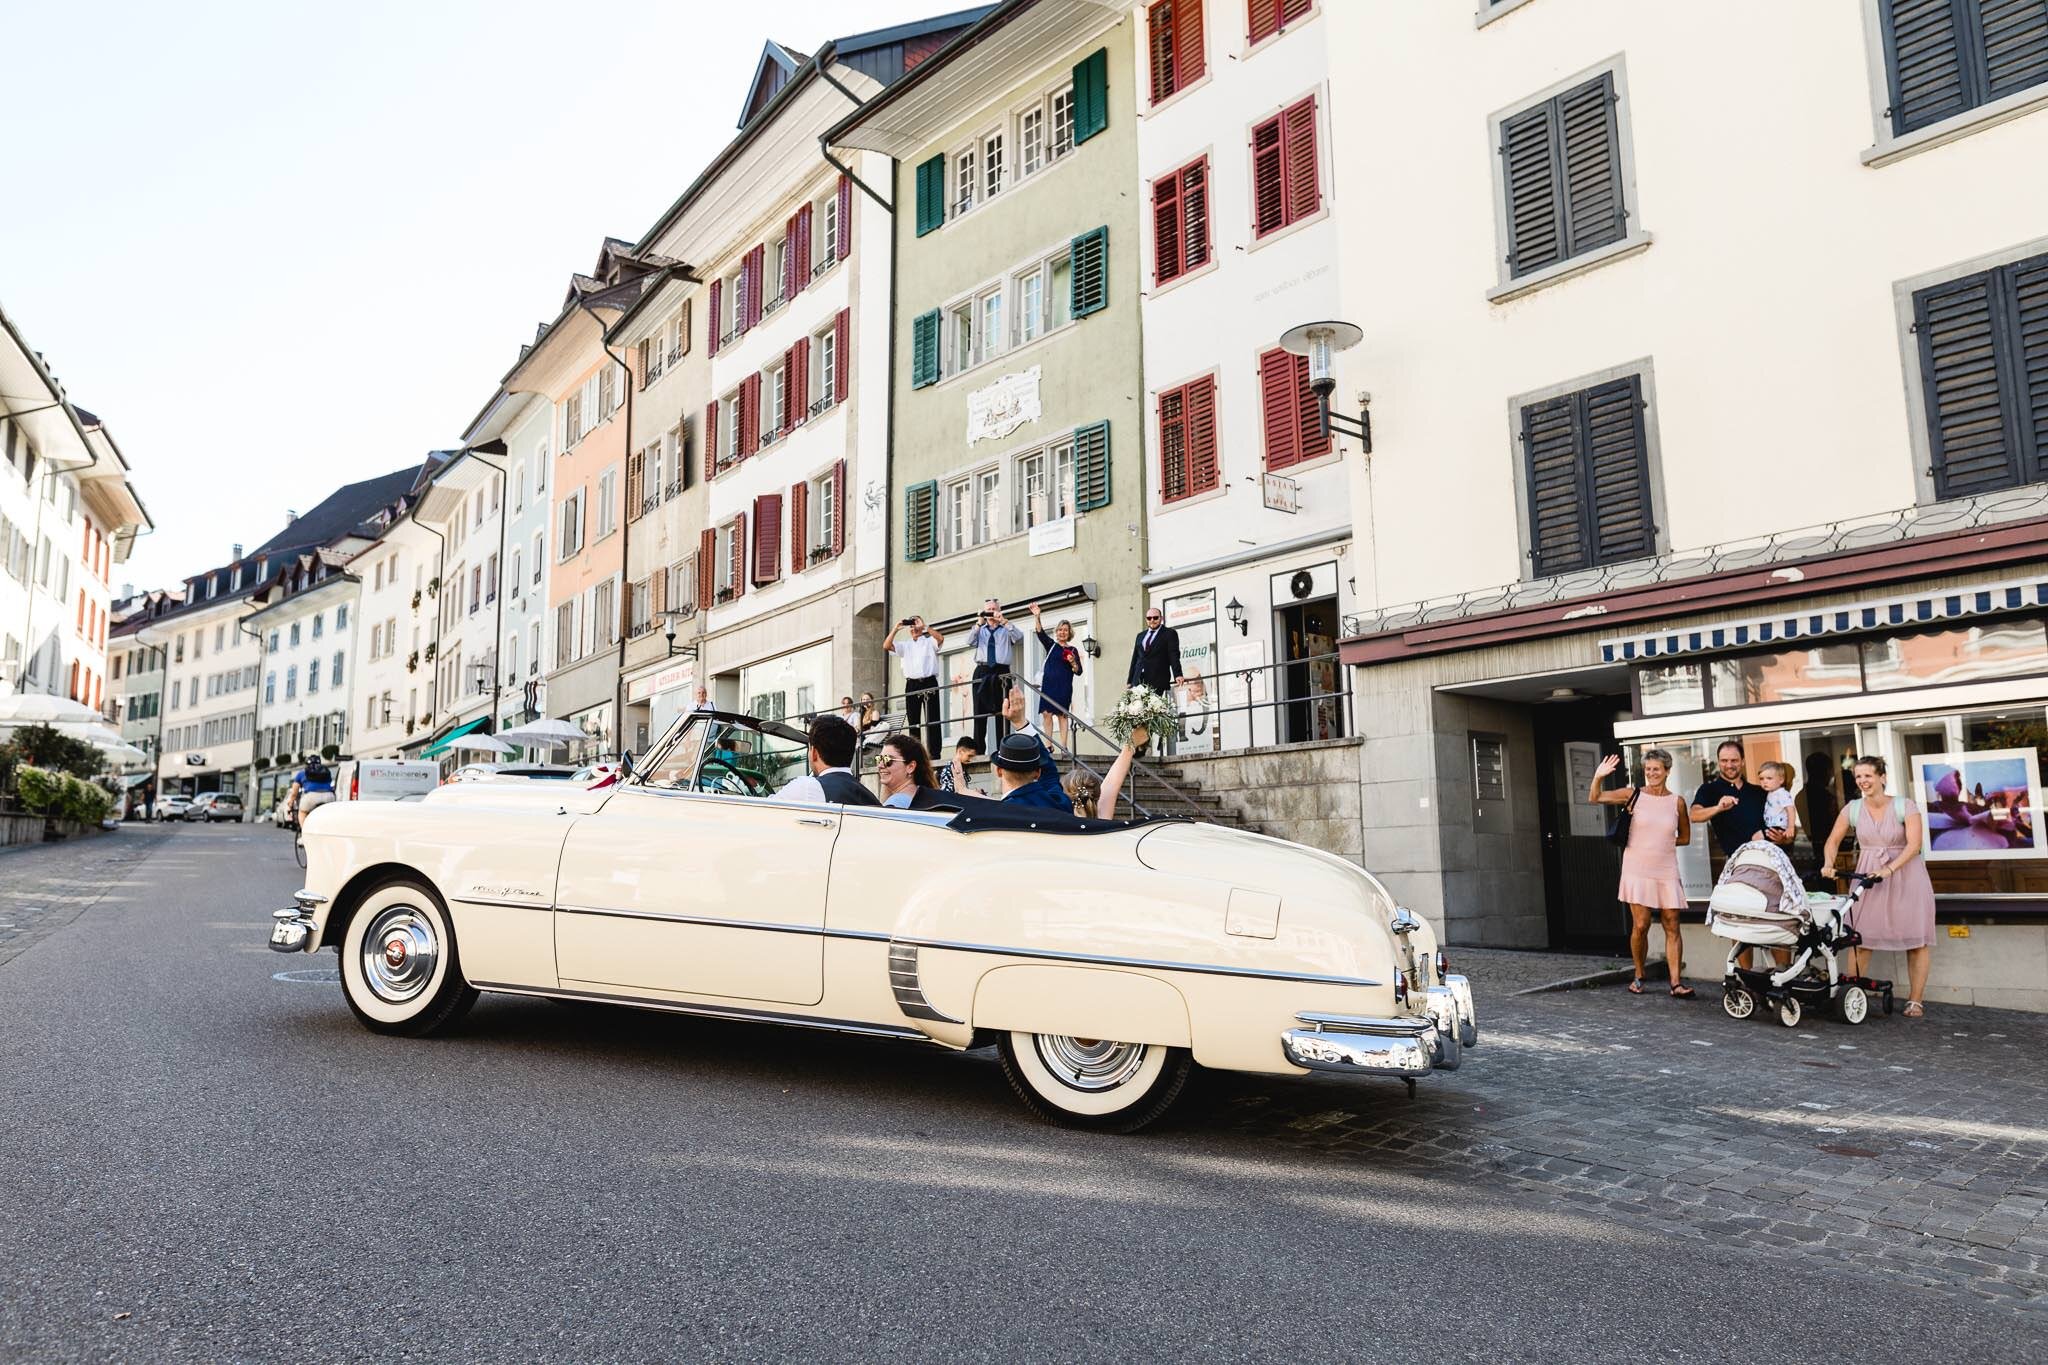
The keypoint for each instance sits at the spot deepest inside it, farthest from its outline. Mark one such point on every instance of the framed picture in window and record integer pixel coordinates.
(1980, 804)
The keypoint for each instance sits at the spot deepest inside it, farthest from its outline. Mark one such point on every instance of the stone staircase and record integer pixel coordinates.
(1160, 790)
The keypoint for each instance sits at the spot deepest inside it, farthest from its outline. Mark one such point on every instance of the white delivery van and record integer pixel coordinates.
(385, 779)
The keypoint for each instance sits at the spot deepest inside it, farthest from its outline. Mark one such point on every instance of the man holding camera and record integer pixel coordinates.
(995, 642)
(920, 655)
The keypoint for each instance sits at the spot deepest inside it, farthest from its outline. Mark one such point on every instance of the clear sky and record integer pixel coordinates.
(279, 246)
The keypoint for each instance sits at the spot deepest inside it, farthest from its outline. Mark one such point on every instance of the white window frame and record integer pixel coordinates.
(569, 534)
(965, 179)
(819, 514)
(824, 376)
(607, 502)
(826, 214)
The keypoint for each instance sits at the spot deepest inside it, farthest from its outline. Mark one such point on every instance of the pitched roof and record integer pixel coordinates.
(342, 511)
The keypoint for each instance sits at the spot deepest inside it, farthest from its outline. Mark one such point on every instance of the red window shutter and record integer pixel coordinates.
(1262, 19)
(739, 555)
(767, 538)
(683, 325)
(789, 256)
(711, 337)
(750, 415)
(842, 357)
(707, 568)
(758, 294)
(1204, 474)
(799, 524)
(1159, 40)
(838, 507)
(1304, 196)
(803, 248)
(1269, 179)
(800, 381)
(1166, 238)
(1194, 214)
(711, 437)
(1190, 57)
(1173, 445)
(1279, 409)
(1313, 441)
(845, 217)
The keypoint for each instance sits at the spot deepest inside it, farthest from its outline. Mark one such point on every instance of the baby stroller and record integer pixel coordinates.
(1758, 905)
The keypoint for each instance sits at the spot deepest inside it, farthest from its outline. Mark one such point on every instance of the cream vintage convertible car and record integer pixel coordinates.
(1102, 958)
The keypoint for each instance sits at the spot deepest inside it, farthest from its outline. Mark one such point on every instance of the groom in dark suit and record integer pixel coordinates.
(1155, 655)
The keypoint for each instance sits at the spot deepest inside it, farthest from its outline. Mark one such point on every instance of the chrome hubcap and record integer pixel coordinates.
(1090, 1063)
(399, 953)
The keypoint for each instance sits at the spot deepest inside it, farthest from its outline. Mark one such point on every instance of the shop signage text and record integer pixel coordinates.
(1282, 493)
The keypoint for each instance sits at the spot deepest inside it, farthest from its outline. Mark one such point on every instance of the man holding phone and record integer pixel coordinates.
(920, 655)
(995, 643)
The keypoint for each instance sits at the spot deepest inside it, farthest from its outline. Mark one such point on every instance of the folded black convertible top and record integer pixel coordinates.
(977, 813)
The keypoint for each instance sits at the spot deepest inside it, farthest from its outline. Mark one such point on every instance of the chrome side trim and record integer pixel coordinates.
(709, 921)
(1157, 964)
(909, 992)
(732, 1012)
(501, 900)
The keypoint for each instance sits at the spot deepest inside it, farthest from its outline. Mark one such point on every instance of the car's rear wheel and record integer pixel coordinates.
(399, 968)
(1092, 1082)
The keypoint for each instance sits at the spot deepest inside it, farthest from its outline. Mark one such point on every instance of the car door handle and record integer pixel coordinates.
(819, 820)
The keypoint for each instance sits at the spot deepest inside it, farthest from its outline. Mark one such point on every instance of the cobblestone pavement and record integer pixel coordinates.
(1915, 1150)
(44, 888)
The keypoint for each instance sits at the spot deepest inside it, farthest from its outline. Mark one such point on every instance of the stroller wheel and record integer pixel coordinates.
(1737, 1002)
(1853, 1004)
(1789, 1012)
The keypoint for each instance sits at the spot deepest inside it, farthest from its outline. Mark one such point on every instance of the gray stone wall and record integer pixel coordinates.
(1306, 792)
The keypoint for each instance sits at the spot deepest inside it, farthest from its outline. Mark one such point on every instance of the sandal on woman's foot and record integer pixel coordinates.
(1913, 1010)
(1683, 992)
(1635, 987)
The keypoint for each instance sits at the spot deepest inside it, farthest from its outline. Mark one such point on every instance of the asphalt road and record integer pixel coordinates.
(199, 1160)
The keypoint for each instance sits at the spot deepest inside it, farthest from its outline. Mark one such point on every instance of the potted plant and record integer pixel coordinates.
(412, 662)
(434, 587)
(415, 599)
(433, 648)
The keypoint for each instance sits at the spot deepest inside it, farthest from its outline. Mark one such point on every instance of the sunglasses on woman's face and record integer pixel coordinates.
(887, 761)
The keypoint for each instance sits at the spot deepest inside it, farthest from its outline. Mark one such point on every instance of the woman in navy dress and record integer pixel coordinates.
(1056, 685)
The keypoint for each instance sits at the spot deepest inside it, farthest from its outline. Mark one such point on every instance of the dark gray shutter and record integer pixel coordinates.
(1924, 59)
(1973, 446)
(2029, 294)
(2015, 39)
(1088, 277)
(1550, 450)
(924, 349)
(1091, 467)
(1587, 473)
(1590, 134)
(920, 520)
(1618, 472)
(1535, 234)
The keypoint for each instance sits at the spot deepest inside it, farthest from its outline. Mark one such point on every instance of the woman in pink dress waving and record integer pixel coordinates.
(1898, 913)
(1649, 865)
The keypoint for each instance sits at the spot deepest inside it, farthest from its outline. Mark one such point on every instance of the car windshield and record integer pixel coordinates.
(725, 756)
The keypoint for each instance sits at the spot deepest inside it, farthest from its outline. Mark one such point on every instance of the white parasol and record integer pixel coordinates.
(36, 708)
(544, 734)
(489, 744)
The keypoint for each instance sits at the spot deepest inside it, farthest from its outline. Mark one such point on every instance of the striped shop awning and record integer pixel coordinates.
(1925, 608)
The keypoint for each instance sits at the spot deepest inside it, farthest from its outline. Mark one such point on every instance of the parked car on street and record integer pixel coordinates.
(209, 807)
(1102, 958)
(173, 807)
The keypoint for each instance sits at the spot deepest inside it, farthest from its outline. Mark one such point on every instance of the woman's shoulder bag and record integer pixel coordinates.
(1617, 833)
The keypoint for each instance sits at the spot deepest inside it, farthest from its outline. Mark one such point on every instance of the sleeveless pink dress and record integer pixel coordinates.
(1649, 865)
(1897, 913)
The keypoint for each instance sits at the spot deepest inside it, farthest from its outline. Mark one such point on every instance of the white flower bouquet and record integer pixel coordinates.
(1142, 708)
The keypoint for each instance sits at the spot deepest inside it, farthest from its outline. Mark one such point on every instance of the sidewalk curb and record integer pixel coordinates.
(1608, 978)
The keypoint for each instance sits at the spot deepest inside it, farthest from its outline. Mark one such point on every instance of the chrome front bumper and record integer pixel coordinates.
(1406, 1046)
(291, 931)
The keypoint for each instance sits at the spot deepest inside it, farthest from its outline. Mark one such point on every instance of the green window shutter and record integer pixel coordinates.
(1091, 95)
(931, 194)
(1088, 276)
(924, 349)
(921, 520)
(1091, 467)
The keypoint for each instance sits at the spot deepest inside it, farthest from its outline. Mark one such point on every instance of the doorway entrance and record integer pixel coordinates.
(1312, 706)
(1581, 870)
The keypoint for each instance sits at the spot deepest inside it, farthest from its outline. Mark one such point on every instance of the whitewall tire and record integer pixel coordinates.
(1094, 1083)
(399, 969)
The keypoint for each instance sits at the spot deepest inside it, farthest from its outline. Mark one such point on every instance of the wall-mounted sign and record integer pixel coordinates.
(1282, 493)
(1049, 536)
(195, 760)
(874, 495)
(1189, 609)
(668, 679)
(1002, 407)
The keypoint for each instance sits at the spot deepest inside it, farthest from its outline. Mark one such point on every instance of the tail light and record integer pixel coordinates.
(1443, 967)
(355, 783)
(1400, 987)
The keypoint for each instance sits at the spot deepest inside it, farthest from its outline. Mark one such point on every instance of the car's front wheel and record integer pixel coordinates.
(399, 968)
(1092, 1082)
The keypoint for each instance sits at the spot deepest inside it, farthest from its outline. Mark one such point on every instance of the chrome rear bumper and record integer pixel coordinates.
(1364, 1045)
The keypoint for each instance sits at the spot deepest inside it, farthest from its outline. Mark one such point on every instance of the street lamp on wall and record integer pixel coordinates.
(1234, 609)
(480, 675)
(1090, 647)
(1319, 341)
